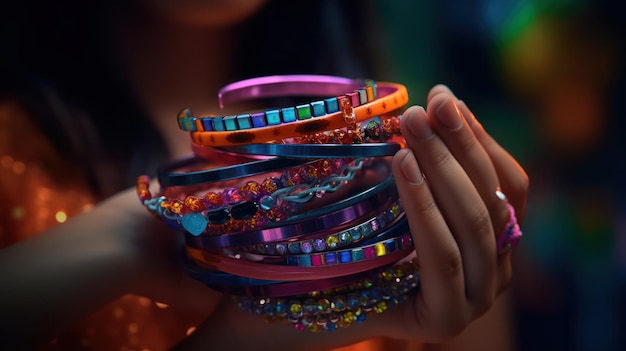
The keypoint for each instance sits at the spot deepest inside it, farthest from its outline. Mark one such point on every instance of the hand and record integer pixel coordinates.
(447, 179)
(452, 169)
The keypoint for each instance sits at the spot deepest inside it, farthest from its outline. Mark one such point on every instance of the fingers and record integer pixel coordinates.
(454, 239)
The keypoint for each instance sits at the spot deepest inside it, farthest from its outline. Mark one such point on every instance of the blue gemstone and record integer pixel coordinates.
(244, 122)
(357, 255)
(258, 120)
(293, 248)
(318, 108)
(305, 261)
(345, 257)
(355, 233)
(289, 114)
(330, 258)
(207, 124)
(273, 117)
(230, 122)
(332, 105)
(194, 223)
(218, 124)
(390, 245)
(292, 260)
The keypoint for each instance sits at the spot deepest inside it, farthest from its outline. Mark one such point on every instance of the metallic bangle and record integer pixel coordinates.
(168, 176)
(321, 242)
(358, 91)
(329, 258)
(391, 97)
(387, 273)
(339, 215)
(317, 150)
(290, 85)
(290, 273)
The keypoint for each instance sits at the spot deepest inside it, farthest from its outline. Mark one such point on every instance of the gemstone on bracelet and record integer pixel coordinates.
(214, 200)
(318, 109)
(244, 210)
(194, 223)
(345, 238)
(332, 241)
(251, 190)
(306, 247)
(258, 120)
(293, 248)
(233, 196)
(319, 245)
(219, 216)
(288, 114)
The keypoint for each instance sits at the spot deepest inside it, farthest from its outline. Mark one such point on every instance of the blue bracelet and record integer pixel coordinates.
(317, 150)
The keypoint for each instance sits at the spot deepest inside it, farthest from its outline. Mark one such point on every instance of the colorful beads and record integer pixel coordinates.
(342, 306)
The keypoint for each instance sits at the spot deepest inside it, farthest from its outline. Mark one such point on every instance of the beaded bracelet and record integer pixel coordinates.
(339, 307)
(253, 204)
(339, 215)
(321, 242)
(390, 240)
(375, 130)
(329, 258)
(392, 97)
(358, 92)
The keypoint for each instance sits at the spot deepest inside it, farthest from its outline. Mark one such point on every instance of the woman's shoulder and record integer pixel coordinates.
(40, 187)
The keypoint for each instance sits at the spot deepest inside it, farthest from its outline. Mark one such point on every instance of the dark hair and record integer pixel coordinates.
(51, 56)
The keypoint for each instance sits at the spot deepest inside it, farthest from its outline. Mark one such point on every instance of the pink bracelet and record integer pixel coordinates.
(289, 273)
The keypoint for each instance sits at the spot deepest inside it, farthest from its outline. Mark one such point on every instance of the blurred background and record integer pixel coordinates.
(546, 78)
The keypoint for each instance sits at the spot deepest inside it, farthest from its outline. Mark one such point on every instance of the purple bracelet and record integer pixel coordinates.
(321, 242)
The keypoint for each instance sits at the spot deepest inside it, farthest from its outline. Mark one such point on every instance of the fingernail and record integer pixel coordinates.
(409, 167)
(417, 122)
(448, 114)
(466, 112)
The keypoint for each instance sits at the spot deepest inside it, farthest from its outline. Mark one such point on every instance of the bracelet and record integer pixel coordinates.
(338, 215)
(339, 308)
(329, 258)
(317, 150)
(281, 86)
(270, 200)
(321, 242)
(375, 130)
(392, 97)
(313, 287)
(291, 85)
(168, 177)
(294, 273)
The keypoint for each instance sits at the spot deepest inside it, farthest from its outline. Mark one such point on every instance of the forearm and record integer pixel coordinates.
(60, 276)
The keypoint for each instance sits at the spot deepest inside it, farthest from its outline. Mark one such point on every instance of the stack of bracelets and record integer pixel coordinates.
(293, 210)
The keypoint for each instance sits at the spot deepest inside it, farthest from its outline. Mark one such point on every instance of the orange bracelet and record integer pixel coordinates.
(391, 97)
